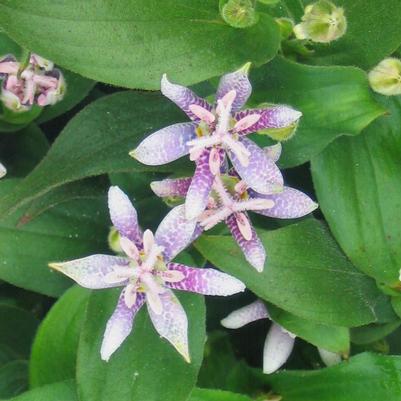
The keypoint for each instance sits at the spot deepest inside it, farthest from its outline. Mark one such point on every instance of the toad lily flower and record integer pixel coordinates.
(231, 199)
(217, 130)
(279, 342)
(147, 275)
(37, 83)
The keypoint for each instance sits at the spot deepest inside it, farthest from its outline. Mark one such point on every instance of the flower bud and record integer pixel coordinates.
(12, 101)
(53, 95)
(41, 62)
(385, 78)
(322, 22)
(113, 240)
(238, 13)
(286, 27)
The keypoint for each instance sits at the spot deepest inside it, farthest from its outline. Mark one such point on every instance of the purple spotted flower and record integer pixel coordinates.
(279, 342)
(216, 131)
(231, 199)
(147, 275)
(36, 83)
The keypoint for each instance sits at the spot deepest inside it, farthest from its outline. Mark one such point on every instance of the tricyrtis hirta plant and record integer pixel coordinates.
(33, 82)
(231, 198)
(216, 131)
(147, 275)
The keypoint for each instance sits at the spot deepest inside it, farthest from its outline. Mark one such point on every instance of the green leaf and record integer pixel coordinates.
(68, 231)
(373, 33)
(358, 185)
(334, 101)
(145, 366)
(305, 274)
(13, 378)
(373, 332)
(330, 338)
(117, 44)
(366, 377)
(77, 89)
(18, 328)
(55, 347)
(12, 121)
(200, 394)
(64, 391)
(20, 152)
(97, 141)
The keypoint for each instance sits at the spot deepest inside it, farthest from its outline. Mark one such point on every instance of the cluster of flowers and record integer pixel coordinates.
(37, 82)
(232, 176)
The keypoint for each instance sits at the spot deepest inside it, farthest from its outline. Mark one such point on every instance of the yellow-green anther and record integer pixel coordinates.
(239, 13)
(322, 22)
(385, 78)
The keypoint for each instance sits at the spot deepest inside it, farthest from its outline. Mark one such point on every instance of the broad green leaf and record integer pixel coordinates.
(8, 46)
(20, 152)
(77, 89)
(358, 184)
(145, 367)
(396, 302)
(334, 101)
(305, 274)
(330, 338)
(63, 391)
(373, 332)
(87, 189)
(97, 141)
(54, 350)
(366, 377)
(68, 231)
(18, 328)
(373, 33)
(13, 379)
(200, 394)
(117, 44)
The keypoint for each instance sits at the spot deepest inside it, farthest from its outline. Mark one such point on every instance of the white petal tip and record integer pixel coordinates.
(229, 323)
(56, 266)
(3, 171)
(133, 153)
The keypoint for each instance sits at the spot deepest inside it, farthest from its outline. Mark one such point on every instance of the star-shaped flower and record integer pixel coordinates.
(37, 82)
(279, 342)
(217, 130)
(231, 199)
(147, 275)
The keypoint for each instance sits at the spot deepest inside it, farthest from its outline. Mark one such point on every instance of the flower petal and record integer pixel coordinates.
(288, 204)
(171, 187)
(175, 232)
(165, 145)
(3, 170)
(237, 80)
(172, 323)
(261, 174)
(91, 271)
(120, 325)
(270, 117)
(200, 187)
(124, 216)
(277, 349)
(253, 249)
(273, 152)
(205, 281)
(248, 314)
(329, 358)
(183, 97)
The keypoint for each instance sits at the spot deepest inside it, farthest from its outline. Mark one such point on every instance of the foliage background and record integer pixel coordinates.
(332, 278)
